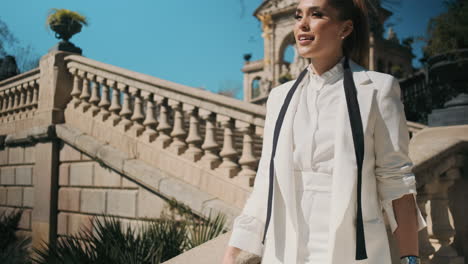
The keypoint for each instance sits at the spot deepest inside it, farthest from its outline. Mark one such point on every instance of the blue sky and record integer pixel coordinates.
(197, 43)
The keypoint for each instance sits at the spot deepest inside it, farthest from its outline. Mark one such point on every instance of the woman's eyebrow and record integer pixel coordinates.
(312, 8)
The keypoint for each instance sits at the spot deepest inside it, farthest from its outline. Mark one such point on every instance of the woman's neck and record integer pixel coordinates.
(321, 65)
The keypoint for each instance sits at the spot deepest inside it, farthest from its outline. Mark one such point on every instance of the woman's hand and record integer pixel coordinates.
(230, 255)
(406, 233)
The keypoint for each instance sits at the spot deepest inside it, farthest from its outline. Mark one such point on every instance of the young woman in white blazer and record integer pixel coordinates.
(311, 211)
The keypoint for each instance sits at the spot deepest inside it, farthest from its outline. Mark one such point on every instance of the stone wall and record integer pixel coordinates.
(87, 189)
(16, 182)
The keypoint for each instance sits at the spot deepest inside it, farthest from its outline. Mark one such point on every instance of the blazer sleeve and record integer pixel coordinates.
(248, 227)
(393, 167)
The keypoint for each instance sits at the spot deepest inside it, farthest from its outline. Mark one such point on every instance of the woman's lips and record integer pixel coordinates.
(305, 42)
(303, 39)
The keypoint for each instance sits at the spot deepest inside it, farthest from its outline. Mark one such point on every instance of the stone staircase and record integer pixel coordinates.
(163, 140)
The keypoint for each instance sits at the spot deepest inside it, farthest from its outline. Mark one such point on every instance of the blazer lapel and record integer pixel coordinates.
(284, 166)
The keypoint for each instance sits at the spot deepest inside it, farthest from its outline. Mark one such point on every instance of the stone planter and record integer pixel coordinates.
(66, 29)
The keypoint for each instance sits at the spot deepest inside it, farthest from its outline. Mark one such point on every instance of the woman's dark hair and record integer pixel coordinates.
(356, 45)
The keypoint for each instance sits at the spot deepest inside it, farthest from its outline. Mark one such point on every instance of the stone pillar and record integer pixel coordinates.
(56, 84)
(44, 215)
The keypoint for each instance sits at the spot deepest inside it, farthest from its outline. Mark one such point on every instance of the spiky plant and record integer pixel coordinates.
(65, 23)
(206, 230)
(13, 249)
(110, 241)
(199, 230)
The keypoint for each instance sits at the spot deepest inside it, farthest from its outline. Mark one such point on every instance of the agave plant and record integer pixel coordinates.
(65, 23)
(110, 241)
(13, 249)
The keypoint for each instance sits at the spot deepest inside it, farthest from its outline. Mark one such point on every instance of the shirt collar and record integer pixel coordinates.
(329, 76)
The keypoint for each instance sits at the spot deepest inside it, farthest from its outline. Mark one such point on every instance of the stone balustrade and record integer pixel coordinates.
(19, 96)
(210, 129)
(440, 155)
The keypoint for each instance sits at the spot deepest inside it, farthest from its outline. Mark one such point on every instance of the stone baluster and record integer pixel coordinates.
(94, 99)
(442, 221)
(6, 102)
(76, 91)
(163, 140)
(149, 134)
(24, 93)
(29, 95)
(210, 158)
(137, 116)
(115, 104)
(125, 113)
(104, 103)
(229, 155)
(35, 93)
(16, 98)
(178, 133)
(11, 100)
(84, 96)
(247, 161)
(2, 102)
(425, 247)
(194, 140)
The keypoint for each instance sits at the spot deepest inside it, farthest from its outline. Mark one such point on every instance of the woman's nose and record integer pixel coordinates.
(304, 25)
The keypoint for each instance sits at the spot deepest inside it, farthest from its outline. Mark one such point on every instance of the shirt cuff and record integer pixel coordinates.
(388, 207)
(247, 234)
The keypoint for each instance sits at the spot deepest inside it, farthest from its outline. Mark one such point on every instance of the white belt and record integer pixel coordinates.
(311, 180)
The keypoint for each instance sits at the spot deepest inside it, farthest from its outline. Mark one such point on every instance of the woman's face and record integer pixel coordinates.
(318, 31)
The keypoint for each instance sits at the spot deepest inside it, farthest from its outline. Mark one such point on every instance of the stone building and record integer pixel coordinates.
(277, 20)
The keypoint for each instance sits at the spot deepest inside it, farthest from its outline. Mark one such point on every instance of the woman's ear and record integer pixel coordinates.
(347, 29)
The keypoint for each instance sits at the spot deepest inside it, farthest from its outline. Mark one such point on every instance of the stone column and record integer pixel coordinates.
(56, 84)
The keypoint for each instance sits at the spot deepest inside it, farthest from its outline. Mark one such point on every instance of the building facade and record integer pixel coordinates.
(277, 20)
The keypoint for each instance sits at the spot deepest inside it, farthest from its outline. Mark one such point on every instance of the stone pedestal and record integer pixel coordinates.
(455, 112)
(55, 89)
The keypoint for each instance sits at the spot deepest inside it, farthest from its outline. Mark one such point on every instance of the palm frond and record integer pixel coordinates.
(204, 231)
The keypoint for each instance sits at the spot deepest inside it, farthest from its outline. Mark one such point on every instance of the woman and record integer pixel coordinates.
(315, 214)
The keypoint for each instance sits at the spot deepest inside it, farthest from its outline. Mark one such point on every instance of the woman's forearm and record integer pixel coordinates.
(406, 233)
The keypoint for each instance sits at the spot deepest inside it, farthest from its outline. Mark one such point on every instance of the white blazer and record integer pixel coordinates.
(386, 172)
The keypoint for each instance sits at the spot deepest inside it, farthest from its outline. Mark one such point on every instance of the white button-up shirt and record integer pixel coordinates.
(313, 128)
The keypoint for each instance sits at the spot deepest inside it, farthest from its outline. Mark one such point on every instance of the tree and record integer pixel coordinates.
(449, 30)
(25, 57)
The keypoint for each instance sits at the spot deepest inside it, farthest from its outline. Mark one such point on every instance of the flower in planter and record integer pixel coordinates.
(65, 23)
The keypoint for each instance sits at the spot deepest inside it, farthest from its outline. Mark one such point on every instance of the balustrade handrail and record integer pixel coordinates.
(19, 79)
(219, 104)
(434, 144)
(415, 125)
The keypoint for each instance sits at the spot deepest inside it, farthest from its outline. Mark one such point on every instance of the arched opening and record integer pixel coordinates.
(255, 87)
(289, 54)
(287, 57)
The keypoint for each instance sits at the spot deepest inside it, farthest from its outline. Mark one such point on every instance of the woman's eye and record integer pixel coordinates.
(297, 17)
(317, 14)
